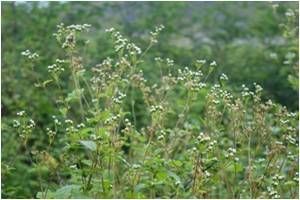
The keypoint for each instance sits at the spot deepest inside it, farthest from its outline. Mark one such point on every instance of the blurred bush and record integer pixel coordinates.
(249, 41)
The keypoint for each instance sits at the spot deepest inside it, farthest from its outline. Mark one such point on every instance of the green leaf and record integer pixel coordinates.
(63, 111)
(173, 175)
(66, 191)
(91, 145)
(87, 162)
(139, 187)
(75, 95)
(49, 195)
(290, 183)
(237, 166)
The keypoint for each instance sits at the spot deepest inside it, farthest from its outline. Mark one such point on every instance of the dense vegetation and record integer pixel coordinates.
(203, 106)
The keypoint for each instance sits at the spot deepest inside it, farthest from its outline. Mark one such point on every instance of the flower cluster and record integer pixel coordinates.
(66, 35)
(119, 98)
(273, 193)
(154, 34)
(119, 41)
(55, 69)
(24, 127)
(56, 121)
(231, 153)
(31, 56)
(112, 119)
(223, 77)
(128, 127)
(191, 79)
(79, 27)
(203, 138)
(154, 109)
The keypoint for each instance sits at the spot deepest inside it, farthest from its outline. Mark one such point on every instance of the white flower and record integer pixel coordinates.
(213, 63)
(109, 30)
(224, 77)
(21, 113)
(201, 61)
(16, 124)
(161, 137)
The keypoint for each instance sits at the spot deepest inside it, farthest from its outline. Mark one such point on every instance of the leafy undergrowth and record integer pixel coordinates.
(196, 140)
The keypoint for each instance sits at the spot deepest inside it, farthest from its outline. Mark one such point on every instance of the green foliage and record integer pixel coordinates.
(113, 117)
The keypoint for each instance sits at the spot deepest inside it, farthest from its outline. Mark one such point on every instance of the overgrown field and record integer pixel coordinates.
(147, 109)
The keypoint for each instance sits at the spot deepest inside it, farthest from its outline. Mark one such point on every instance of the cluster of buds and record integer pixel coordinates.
(128, 126)
(119, 41)
(112, 119)
(154, 34)
(283, 122)
(291, 157)
(296, 178)
(191, 79)
(81, 125)
(158, 59)
(55, 69)
(169, 62)
(31, 56)
(16, 124)
(51, 134)
(118, 100)
(290, 13)
(231, 153)
(246, 92)
(106, 63)
(59, 61)
(200, 63)
(273, 193)
(211, 145)
(31, 124)
(21, 113)
(223, 77)
(188, 74)
(291, 140)
(161, 137)
(25, 128)
(207, 174)
(291, 114)
(79, 27)
(226, 95)
(154, 109)
(71, 129)
(258, 88)
(136, 166)
(276, 179)
(70, 41)
(124, 61)
(69, 121)
(56, 121)
(139, 78)
(66, 35)
(203, 138)
(133, 49)
(213, 64)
